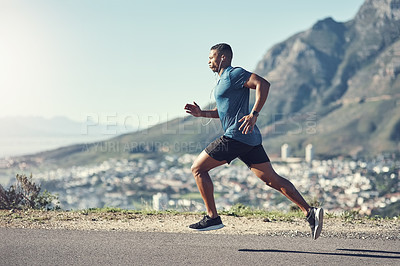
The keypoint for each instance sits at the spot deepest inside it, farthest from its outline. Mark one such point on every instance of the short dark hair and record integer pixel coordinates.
(223, 48)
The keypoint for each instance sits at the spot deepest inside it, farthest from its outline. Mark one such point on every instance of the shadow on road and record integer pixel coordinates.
(333, 253)
(368, 250)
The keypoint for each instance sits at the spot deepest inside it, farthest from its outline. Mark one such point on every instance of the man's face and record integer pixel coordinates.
(214, 60)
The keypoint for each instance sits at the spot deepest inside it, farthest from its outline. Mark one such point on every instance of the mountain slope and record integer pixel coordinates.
(347, 75)
(301, 68)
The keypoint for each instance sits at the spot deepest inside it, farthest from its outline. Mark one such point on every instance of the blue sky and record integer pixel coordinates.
(136, 61)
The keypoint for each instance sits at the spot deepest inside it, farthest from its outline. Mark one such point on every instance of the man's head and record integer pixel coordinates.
(220, 57)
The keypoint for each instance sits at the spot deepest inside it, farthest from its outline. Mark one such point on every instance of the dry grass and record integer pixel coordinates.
(111, 219)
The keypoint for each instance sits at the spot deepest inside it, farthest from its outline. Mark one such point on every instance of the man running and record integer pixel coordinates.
(242, 139)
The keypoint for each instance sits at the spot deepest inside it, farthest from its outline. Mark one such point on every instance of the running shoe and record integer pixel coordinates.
(315, 218)
(207, 224)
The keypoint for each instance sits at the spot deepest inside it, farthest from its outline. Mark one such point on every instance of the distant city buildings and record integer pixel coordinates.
(167, 183)
(285, 151)
(309, 153)
(160, 201)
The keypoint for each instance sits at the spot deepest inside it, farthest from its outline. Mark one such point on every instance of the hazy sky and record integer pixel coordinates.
(139, 61)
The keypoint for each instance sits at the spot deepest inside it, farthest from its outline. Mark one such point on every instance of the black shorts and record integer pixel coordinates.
(227, 149)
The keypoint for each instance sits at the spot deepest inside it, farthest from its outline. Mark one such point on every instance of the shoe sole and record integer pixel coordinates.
(319, 219)
(213, 227)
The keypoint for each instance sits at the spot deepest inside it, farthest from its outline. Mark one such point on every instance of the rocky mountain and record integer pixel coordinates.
(335, 85)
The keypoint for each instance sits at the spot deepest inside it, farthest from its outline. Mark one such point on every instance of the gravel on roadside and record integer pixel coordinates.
(362, 228)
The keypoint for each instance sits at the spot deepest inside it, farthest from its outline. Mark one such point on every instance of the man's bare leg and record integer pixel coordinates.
(200, 168)
(267, 174)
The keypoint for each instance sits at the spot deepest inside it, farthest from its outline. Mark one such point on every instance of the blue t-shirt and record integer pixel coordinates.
(232, 100)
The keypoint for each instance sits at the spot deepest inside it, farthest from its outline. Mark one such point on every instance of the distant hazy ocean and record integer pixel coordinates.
(15, 146)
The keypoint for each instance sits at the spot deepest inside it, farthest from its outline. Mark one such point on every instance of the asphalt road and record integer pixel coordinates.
(63, 247)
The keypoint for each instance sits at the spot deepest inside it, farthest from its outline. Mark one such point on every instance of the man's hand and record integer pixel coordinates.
(248, 123)
(193, 109)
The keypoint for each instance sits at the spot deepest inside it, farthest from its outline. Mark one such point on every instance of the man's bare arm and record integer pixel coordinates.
(210, 113)
(262, 88)
(196, 111)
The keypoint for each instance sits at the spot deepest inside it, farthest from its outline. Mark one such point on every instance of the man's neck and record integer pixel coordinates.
(221, 70)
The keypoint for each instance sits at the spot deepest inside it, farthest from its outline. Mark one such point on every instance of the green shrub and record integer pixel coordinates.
(25, 194)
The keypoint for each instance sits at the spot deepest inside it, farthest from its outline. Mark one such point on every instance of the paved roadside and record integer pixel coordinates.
(78, 247)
